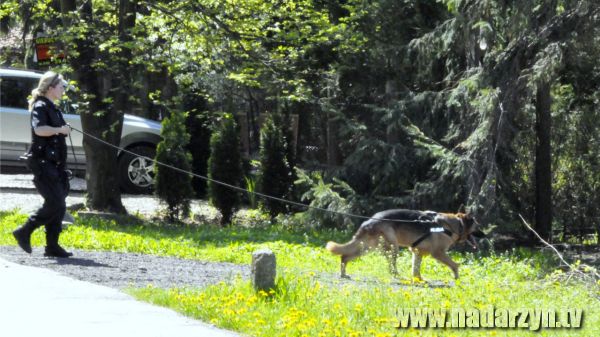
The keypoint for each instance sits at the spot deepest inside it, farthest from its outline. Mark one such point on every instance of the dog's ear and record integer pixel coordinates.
(469, 220)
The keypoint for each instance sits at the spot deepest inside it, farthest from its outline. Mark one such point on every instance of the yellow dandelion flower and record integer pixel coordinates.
(352, 333)
(383, 334)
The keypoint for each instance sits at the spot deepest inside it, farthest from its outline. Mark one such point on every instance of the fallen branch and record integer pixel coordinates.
(571, 267)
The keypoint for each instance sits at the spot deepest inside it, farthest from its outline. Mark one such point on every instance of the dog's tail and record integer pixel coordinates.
(352, 247)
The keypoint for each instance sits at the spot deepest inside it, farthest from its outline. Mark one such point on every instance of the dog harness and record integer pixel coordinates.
(432, 230)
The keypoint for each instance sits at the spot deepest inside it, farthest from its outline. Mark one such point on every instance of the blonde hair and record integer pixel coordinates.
(49, 79)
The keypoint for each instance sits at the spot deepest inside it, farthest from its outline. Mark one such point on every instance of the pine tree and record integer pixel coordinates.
(225, 165)
(275, 178)
(174, 187)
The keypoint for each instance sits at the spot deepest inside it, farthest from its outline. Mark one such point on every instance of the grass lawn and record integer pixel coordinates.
(310, 299)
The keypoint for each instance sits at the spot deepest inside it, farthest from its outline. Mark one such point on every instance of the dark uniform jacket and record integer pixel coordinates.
(52, 150)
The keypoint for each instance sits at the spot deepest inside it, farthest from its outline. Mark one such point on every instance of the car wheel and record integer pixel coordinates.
(136, 172)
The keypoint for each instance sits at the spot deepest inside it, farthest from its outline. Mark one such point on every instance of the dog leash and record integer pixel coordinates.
(239, 189)
(70, 176)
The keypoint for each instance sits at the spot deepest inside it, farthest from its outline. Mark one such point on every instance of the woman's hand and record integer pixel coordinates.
(65, 129)
(48, 131)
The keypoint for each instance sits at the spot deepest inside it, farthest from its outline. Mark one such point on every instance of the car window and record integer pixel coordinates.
(14, 91)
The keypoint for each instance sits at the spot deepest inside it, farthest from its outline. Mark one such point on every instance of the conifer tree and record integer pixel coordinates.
(225, 165)
(174, 187)
(275, 178)
(198, 123)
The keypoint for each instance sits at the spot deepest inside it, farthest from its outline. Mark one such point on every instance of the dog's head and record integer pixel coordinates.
(465, 225)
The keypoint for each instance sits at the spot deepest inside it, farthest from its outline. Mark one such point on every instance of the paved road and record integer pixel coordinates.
(39, 302)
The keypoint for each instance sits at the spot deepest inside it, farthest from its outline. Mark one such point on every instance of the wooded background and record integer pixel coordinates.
(426, 104)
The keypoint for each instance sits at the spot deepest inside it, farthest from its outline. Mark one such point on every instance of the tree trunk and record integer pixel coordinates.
(543, 170)
(543, 148)
(97, 120)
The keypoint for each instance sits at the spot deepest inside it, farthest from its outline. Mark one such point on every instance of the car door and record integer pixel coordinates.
(15, 130)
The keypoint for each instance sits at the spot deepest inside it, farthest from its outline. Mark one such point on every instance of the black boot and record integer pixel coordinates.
(53, 249)
(23, 235)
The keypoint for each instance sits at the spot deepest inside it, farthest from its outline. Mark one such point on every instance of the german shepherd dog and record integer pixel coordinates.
(423, 232)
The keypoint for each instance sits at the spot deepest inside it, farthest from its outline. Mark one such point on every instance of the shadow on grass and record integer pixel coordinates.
(212, 234)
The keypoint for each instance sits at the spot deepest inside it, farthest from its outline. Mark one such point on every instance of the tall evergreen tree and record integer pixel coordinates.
(225, 165)
(199, 124)
(174, 187)
(275, 177)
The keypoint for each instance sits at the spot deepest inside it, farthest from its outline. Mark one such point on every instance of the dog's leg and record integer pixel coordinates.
(390, 246)
(445, 259)
(391, 253)
(345, 260)
(393, 259)
(357, 249)
(416, 265)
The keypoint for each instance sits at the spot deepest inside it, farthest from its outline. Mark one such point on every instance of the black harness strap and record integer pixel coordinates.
(426, 235)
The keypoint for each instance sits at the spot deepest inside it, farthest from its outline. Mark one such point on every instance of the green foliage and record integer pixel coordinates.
(251, 188)
(275, 175)
(577, 162)
(424, 104)
(336, 196)
(225, 165)
(174, 187)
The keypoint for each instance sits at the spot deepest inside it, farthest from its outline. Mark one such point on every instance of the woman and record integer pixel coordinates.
(48, 155)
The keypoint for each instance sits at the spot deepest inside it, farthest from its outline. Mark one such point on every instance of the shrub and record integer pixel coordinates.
(174, 187)
(337, 197)
(225, 165)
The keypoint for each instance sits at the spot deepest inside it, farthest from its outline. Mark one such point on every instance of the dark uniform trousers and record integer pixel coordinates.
(53, 185)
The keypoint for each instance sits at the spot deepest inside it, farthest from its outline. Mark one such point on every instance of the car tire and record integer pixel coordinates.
(136, 173)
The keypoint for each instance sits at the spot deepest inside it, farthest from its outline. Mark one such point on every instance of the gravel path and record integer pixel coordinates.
(121, 270)
(117, 270)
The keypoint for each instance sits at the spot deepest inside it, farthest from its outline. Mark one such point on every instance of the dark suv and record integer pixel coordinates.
(139, 135)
